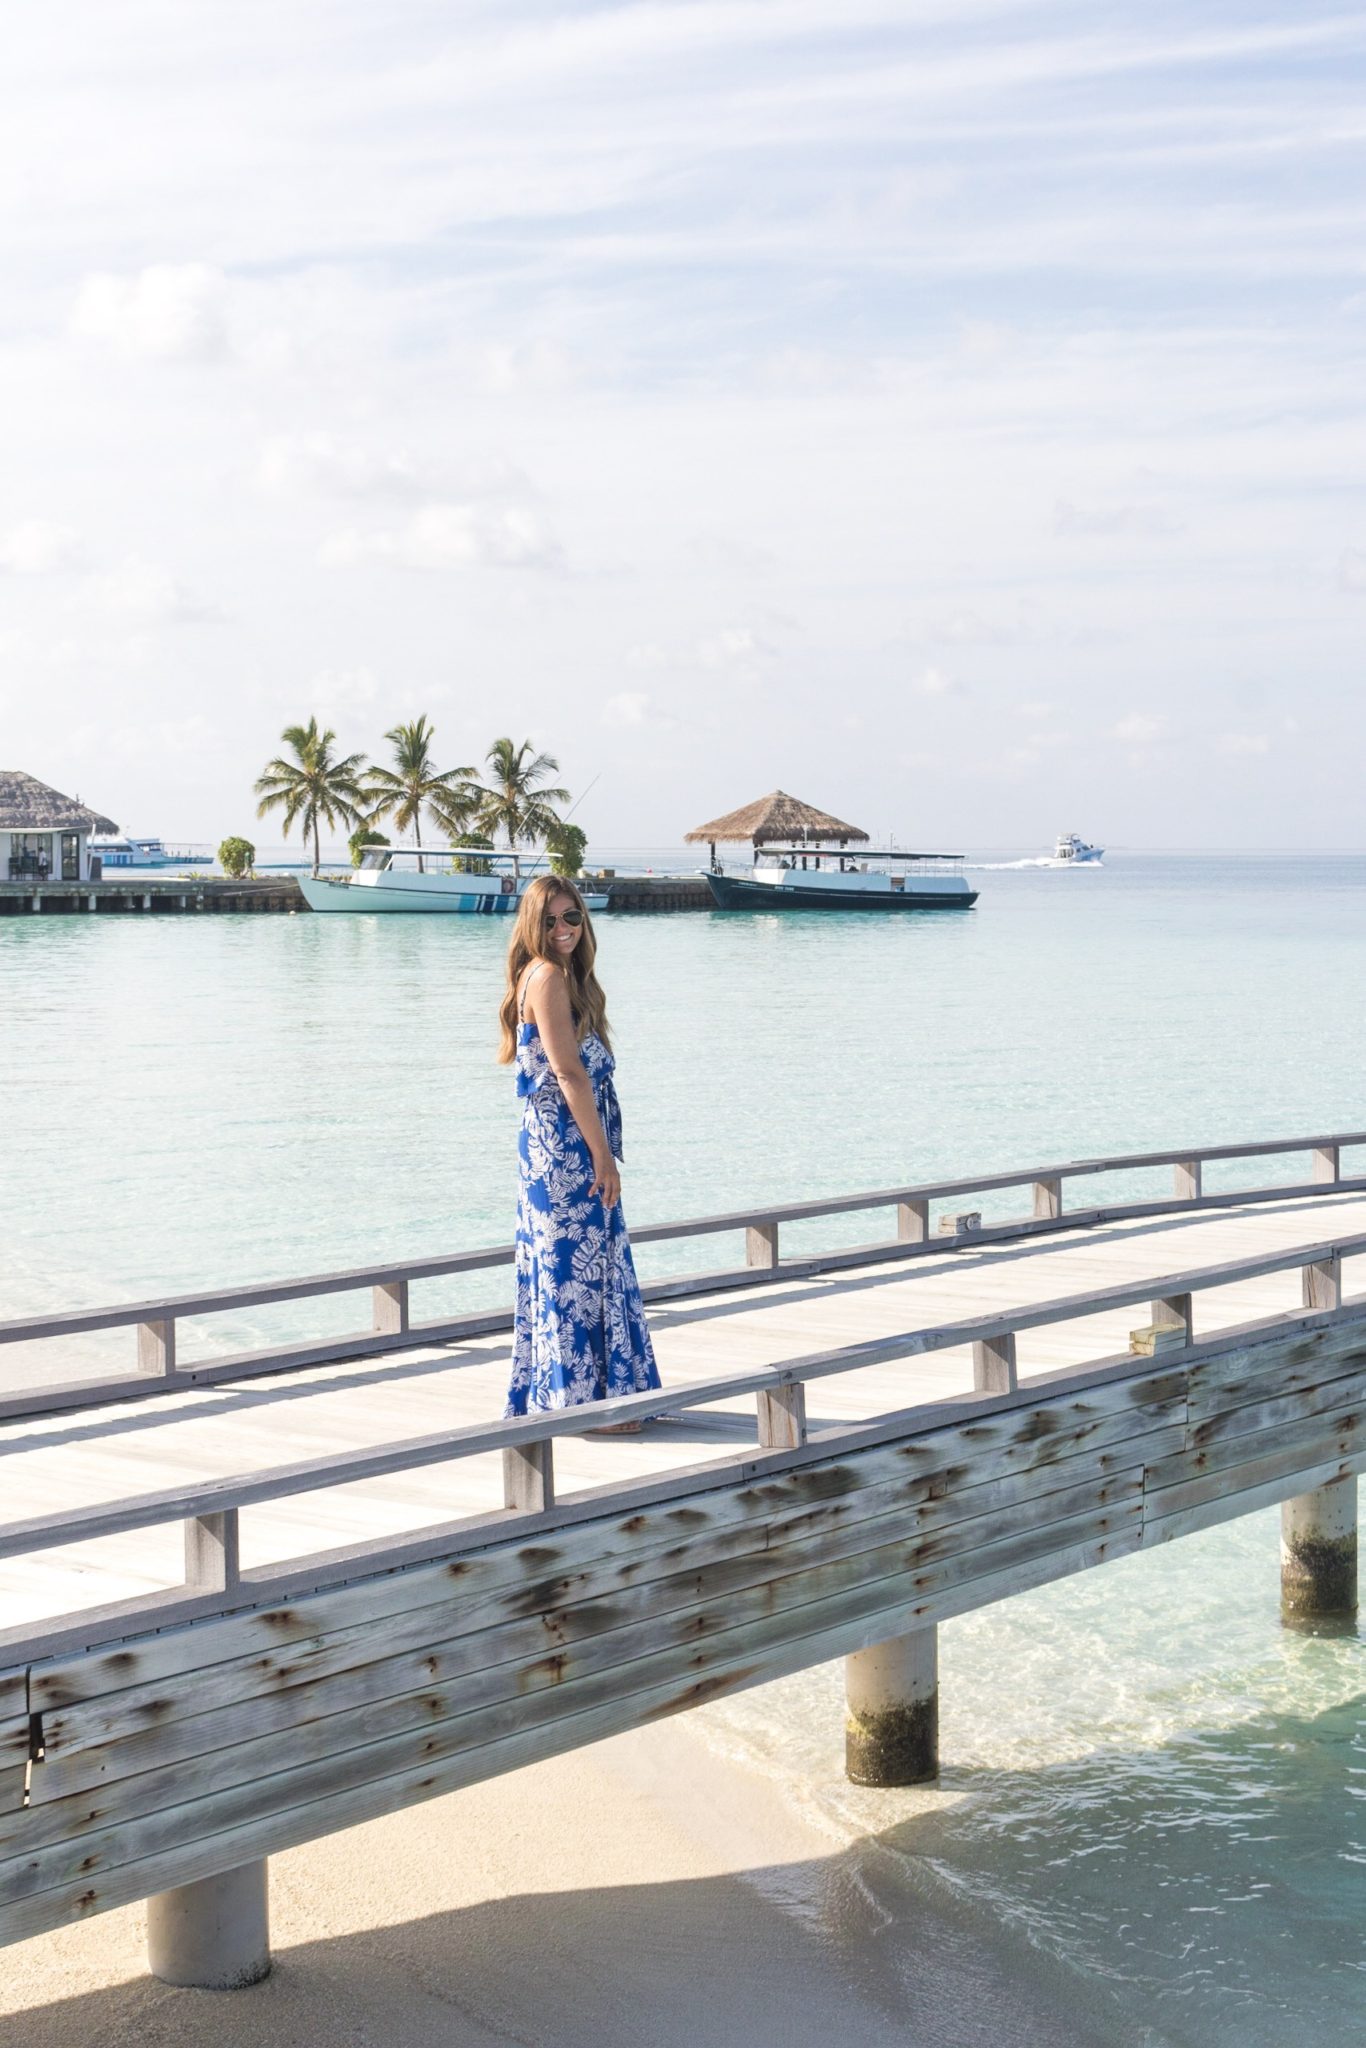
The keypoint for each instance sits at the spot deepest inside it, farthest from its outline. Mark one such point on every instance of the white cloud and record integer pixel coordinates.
(934, 682)
(148, 594)
(38, 547)
(516, 368)
(1140, 729)
(321, 464)
(168, 312)
(325, 467)
(627, 708)
(1244, 743)
(453, 537)
(1352, 569)
(1115, 521)
(733, 647)
(342, 692)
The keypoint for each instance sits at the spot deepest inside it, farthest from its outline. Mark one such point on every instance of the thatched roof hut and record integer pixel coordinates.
(776, 820)
(28, 805)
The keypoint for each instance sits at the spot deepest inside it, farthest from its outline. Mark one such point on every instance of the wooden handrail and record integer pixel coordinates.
(173, 1307)
(520, 1435)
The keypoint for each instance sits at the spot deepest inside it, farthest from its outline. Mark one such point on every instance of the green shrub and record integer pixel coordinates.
(235, 857)
(466, 866)
(360, 839)
(566, 845)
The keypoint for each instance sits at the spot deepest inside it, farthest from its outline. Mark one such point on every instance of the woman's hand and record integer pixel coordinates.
(606, 1179)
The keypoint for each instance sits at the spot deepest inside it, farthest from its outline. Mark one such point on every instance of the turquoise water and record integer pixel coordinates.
(1149, 1781)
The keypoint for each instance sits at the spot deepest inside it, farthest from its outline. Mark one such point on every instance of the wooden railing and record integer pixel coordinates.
(210, 1510)
(392, 1328)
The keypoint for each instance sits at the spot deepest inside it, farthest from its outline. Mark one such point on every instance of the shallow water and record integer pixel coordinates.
(1146, 1776)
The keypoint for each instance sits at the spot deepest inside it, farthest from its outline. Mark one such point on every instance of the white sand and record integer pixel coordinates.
(641, 1894)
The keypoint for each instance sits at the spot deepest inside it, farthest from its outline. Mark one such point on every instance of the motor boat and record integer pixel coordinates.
(470, 884)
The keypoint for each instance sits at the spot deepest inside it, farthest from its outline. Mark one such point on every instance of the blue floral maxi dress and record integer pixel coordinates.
(579, 1333)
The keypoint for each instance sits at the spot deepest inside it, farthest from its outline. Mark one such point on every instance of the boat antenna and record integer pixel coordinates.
(579, 799)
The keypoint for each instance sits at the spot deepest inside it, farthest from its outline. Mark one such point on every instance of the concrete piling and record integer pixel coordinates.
(891, 1729)
(1319, 1553)
(213, 1935)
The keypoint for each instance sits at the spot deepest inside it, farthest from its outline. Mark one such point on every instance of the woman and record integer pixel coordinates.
(580, 1332)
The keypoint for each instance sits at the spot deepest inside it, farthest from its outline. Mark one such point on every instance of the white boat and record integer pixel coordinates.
(488, 887)
(819, 878)
(116, 851)
(1072, 852)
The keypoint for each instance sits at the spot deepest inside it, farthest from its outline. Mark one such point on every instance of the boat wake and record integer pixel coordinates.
(1000, 867)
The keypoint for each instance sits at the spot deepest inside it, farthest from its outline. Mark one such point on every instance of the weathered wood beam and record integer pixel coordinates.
(1322, 1283)
(761, 1244)
(156, 1346)
(390, 1307)
(529, 1477)
(993, 1364)
(782, 1417)
(212, 1552)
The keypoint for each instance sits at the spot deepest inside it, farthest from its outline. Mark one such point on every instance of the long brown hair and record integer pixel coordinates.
(528, 943)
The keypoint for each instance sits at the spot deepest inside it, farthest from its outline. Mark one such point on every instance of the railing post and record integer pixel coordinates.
(1048, 1197)
(529, 1477)
(1321, 1282)
(391, 1307)
(1187, 1180)
(912, 1222)
(1175, 1312)
(761, 1244)
(212, 1555)
(1327, 1163)
(782, 1417)
(156, 1346)
(993, 1365)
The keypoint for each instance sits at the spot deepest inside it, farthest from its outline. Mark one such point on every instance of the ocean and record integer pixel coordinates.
(1148, 1783)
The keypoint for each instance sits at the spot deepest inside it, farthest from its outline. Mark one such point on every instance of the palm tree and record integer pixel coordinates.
(414, 785)
(516, 798)
(313, 786)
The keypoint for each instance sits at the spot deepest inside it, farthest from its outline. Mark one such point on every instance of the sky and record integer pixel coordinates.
(950, 411)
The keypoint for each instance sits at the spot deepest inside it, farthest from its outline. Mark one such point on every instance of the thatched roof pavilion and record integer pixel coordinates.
(28, 805)
(775, 820)
(44, 836)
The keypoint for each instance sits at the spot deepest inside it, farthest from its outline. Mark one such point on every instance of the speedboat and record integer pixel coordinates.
(815, 878)
(469, 884)
(1071, 852)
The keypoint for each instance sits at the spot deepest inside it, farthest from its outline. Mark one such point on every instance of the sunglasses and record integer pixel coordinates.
(573, 918)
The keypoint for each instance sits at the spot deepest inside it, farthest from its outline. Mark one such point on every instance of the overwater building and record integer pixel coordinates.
(45, 836)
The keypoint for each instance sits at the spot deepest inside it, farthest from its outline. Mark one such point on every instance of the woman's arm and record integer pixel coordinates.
(547, 996)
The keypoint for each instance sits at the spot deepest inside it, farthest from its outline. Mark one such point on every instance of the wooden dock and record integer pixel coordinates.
(256, 1599)
(169, 896)
(189, 894)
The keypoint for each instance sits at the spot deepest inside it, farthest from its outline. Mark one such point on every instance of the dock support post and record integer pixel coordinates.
(213, 1935)
(1319, 1553)
(1048, 1198)
(891, 1728)
(1327, 1163)
(1187, 1180)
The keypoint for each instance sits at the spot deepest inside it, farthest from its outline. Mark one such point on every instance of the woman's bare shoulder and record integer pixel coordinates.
(540, 982)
